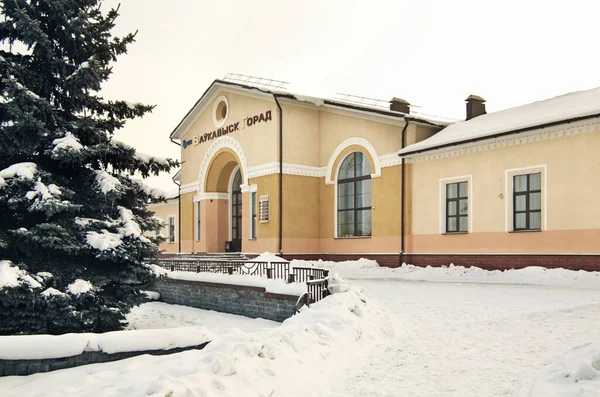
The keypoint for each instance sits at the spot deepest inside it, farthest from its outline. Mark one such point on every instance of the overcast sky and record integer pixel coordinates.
(433, 53)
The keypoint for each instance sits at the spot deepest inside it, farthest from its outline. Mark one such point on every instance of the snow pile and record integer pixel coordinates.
(21, 170)
(533, 275)
(68, 142)
(151, 295)
(33, 347)
(12, 276)
(79, 286)
(576, 374)
(284, 361)
(107, 182)
(268, 257)
(103, 241)
(271, 285)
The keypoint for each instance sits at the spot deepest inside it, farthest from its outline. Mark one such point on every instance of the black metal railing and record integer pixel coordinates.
(316, 279)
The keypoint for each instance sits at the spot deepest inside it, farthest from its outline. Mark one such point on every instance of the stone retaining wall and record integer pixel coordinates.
(252, 302)
(28, 367)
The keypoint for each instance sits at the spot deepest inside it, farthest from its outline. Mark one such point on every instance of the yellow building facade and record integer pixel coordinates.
(313, 178)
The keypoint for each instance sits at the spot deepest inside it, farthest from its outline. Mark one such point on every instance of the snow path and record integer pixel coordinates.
(469, 339)
(154, 315)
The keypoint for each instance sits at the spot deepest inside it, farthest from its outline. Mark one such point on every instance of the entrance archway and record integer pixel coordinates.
(222, 185)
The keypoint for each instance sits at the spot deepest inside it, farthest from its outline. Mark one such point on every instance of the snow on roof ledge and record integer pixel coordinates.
(570, 106)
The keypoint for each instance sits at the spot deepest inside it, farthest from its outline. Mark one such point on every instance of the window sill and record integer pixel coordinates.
(452, 233)
(526, 231)
(252, 239)
(171, 242)
(351, 238)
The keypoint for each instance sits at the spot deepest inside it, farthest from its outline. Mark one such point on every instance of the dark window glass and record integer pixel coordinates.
(253, 204)
(457, 207)
(171, 230)
(354, 196)
(198, 221)
(527, 202)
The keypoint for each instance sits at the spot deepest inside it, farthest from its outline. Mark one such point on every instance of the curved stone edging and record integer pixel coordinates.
(32, 366)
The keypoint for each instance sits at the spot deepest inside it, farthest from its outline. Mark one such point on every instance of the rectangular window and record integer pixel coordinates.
(198, 224)
(263, 209)
(527, 201)
(457, 207)
(253, 205)
(171, 229)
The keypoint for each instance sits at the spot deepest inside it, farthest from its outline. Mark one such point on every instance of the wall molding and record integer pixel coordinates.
(211, 196)
(346, 144)
(224, 142)
(555, 132)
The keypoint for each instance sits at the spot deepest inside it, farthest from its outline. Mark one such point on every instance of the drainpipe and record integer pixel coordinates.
(402, 192)
(178, 215)
(280, 175)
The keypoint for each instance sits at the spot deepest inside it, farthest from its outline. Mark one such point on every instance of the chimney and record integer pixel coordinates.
(475, 106)
(400, 105)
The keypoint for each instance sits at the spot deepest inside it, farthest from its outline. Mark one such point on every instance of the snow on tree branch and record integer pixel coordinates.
(107, 182)
(68, 142)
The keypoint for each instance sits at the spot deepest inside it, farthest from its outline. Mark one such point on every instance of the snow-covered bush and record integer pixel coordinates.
(69, 204)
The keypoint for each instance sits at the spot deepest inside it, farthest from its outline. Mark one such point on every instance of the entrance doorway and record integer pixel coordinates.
(236, 212)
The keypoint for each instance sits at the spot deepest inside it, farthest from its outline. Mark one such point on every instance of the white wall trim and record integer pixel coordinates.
(508, 193)
(212, 196)
(555, 132)
(442, 200)
(223, 142)
(341, 147)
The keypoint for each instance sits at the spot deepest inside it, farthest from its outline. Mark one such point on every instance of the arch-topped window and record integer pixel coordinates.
(354, 196)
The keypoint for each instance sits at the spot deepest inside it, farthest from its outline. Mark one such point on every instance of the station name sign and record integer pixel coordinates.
(228, 129)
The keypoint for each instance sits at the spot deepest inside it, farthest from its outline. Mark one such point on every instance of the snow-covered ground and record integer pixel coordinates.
(411, 332)
(155, 315)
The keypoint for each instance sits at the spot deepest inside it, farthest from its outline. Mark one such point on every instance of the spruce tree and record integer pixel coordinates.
(72, 214)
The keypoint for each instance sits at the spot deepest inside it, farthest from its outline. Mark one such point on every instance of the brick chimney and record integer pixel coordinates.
(400, 105)
(475, 106)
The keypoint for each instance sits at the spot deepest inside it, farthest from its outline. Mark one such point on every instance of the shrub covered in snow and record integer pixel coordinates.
(69, 205)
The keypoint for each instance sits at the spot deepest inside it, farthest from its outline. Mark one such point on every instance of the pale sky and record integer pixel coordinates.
(433, 53)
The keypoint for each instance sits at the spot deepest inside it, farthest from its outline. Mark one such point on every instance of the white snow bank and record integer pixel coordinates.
(68, 142)
(275, 362)
(103, 241)
(268, 257)
(533, 275)
(107, 182)
(79, 286)
(151, 295)
(12, 276)
(22, 170)
(576, 374)
(270, 285)
(23, 347)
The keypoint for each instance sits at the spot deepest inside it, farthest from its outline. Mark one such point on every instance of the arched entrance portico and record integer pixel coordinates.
(222, 177)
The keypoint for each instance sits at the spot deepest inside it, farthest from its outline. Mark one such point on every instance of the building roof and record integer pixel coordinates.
(200, 105)
(566, 108)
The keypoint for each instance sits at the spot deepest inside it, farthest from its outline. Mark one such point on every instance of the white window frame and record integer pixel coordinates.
(371, 155)
(509, 175)
(169, 229)
(442, 203)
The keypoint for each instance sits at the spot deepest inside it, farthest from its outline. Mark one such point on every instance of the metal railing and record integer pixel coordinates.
(314, 277)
